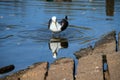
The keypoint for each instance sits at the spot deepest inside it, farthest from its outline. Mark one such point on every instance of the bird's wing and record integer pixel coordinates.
(49, 23)
(64, 24)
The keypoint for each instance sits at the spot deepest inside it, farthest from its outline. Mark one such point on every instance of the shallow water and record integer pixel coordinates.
(25, 38)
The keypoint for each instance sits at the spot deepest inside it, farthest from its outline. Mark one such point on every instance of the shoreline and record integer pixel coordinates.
(99, 63)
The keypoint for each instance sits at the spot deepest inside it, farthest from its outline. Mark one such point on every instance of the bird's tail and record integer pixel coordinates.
(66, 17)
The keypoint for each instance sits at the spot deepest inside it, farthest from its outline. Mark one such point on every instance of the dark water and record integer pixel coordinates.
(25, 38)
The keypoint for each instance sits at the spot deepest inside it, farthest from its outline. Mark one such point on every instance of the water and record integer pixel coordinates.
(25, 38)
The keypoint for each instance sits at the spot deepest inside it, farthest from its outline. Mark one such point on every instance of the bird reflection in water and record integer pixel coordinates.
(57, 43)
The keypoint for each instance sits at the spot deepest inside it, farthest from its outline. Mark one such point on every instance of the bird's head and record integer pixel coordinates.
(54, 19)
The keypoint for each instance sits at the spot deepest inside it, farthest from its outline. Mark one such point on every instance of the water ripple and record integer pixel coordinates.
(73, 34)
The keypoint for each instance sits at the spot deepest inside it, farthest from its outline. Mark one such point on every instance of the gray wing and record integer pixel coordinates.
(49, 23)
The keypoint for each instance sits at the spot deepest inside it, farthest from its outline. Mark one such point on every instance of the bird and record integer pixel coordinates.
(57, 27)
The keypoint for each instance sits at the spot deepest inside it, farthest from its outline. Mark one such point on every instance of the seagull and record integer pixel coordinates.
(57, 27)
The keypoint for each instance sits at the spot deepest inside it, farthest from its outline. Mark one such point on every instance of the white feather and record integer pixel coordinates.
(55, 26)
